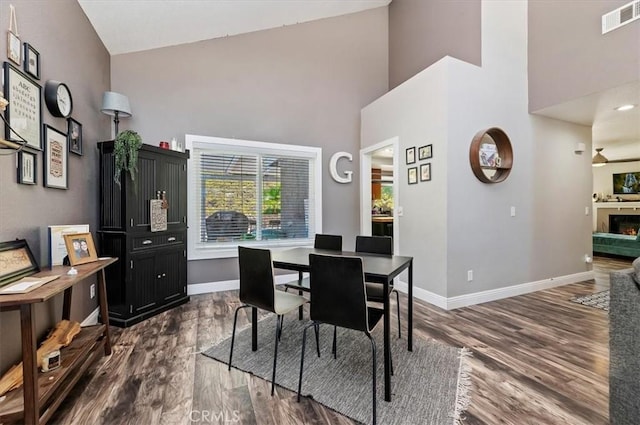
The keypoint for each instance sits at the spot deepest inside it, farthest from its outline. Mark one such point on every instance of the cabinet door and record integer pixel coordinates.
(143, 283)
(171, 267)
(142, 190)
(172, 179)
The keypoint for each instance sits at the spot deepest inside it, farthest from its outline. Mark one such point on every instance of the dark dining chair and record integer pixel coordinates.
(257, 289)
(321, 241)
(338, 298)
(382, 245)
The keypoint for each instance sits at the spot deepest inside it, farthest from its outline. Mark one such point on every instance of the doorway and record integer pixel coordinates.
(379, 179)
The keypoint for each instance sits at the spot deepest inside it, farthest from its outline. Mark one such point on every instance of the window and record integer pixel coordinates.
(251, 193)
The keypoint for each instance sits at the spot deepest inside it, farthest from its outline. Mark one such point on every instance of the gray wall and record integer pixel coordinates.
(423, 31)
(70, 51)
(565, 39)
(303, 84)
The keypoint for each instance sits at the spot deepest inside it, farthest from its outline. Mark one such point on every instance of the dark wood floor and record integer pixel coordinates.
(537, 359)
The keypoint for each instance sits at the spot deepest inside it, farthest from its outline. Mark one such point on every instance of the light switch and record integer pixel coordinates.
(513, 211)
(400, 211)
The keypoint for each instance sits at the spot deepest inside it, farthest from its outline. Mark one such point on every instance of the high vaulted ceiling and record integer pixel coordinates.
(134, 25)
(126, 26)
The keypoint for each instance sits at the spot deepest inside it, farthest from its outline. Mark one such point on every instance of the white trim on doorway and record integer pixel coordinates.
(365, 187)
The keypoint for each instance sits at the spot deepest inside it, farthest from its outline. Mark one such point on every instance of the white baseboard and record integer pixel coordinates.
(422, 294)
(493, 294)
(91, 319)
(228, 285)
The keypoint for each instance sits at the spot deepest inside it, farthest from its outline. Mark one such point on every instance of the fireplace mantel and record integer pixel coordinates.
(602, 210)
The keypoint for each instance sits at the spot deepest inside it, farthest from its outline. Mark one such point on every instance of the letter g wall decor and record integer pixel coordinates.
(333, 167)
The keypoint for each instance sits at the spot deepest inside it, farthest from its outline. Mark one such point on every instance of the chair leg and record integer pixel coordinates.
(300, 309)
(316, 327)
(334, 348)
(275, 354)
(233, 333)
(304, 343)
(373, 375)
(398, 306)
(281, 318)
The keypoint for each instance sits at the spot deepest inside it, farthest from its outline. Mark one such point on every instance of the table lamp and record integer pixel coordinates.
(116, 105)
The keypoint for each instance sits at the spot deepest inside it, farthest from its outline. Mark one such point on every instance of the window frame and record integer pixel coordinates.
(197, 250)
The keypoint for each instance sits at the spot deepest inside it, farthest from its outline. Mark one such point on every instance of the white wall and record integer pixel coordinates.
(602, 177)
(416, 112)
(549, 185)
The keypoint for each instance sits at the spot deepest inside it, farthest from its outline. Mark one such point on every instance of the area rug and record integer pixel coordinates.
(598, 300)
(430, 384)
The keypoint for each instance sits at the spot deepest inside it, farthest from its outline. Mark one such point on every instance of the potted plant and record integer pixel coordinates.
(125, 150)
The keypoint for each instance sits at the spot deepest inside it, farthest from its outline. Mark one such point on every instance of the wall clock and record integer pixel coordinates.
(57, 97)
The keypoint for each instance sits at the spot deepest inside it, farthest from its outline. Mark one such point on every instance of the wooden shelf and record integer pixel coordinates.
(42, 393)
(55, 385)
(503, 149)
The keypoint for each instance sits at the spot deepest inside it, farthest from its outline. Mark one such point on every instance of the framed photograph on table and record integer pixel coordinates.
(31, 61)
(74, 134)
(411, 155)
(425, 172)
(16, 261)
(24, 112)
(80, 248)
(56, 159)
(425, 152)
(413, 175)
(27, 162)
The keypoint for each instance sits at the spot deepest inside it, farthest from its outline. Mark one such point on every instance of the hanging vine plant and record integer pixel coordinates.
(125, 150)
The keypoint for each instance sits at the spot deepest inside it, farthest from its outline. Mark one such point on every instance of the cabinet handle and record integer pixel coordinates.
(164, 275)
(171, 239)
(147, 242)
(159, 276)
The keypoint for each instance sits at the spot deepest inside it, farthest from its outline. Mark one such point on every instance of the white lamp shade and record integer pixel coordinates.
(113, 102)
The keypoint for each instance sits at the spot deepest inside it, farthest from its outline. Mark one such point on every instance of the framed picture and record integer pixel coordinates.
(80, 248)
(57, 247)
(13, 48)
(24, 112)
(425, 172)
(31, 61)
(16, 261)
(413, 175)
(411, 155)
(27, 167)
(56, 159)
(74, 134)
(425, 152)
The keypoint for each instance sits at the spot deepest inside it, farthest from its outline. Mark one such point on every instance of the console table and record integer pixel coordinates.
(42, 393)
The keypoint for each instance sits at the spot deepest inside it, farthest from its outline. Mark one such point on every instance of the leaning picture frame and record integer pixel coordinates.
(31, 61)
(80, 248)
(411, 155)
(56, 159)
(16, 261)
(74, 136)
(27, 171)
(23, 115)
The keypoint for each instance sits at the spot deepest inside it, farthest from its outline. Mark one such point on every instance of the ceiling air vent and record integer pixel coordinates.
(621, 16)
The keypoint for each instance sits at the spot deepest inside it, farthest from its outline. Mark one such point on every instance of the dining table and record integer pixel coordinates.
(377, 268)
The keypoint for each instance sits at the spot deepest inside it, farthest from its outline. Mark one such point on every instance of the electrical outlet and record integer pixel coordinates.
(92, 291)
(469, 275)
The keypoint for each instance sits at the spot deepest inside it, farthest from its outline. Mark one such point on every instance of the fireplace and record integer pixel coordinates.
(624, 224)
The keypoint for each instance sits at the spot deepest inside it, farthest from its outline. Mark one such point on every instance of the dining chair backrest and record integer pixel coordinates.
(375, 244)
(332, 242)
(256, 278)
(337, 291)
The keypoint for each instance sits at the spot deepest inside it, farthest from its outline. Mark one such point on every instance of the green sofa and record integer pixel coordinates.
(610, 243)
